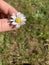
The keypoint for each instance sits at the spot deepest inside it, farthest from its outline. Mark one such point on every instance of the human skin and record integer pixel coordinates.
(7, 10)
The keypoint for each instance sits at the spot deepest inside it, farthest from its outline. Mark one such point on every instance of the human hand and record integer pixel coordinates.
(6, 10)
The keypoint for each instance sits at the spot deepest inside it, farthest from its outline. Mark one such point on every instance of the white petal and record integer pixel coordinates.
(18, 13)
(17, 26)
(22, 23)
(23, 19)
(11, 20)
(13, 17)
(21, 16)
(14, 23)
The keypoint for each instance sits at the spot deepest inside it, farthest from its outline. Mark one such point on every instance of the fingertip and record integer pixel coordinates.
(12, 10)
(7, 8)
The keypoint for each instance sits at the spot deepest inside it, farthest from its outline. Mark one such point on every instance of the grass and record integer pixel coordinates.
(30, 43)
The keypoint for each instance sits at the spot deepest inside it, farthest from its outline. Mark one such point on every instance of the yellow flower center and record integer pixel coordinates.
(18, 20)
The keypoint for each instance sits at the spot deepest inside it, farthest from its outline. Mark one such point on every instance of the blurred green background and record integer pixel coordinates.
(30, 43)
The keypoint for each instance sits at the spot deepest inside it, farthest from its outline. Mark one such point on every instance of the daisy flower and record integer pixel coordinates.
(18, 19)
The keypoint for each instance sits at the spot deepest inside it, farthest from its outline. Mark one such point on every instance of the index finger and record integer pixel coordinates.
(6, 8)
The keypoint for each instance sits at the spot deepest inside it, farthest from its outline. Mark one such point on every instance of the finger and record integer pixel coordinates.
(4, 25)
(6, 8)
(2, 15)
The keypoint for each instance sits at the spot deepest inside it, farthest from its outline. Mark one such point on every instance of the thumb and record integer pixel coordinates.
(4, 25)
(6, 8)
